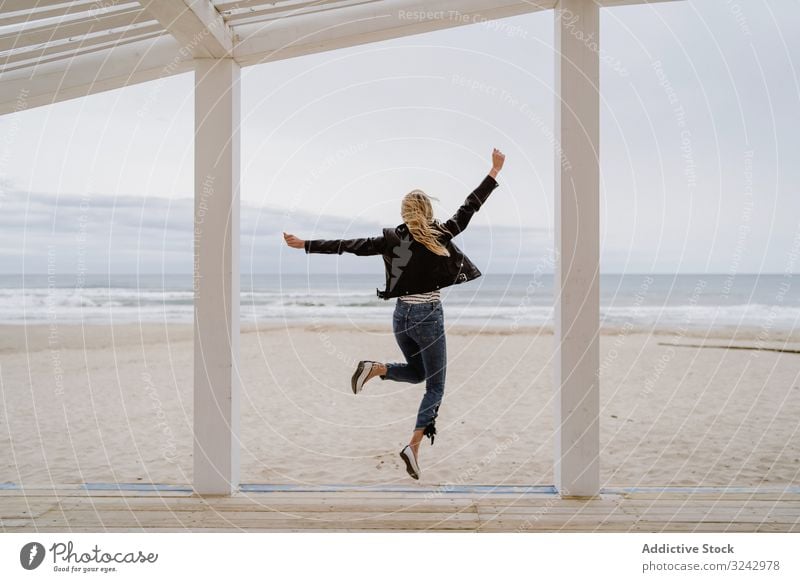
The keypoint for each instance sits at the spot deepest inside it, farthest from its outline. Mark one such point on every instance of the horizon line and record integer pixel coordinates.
(189, 273)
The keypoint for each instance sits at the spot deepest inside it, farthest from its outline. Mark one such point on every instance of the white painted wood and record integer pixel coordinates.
(229, 6)
(90, 24)
(611, 3)
(75, 49)
(269, 12)
(30, 5)
(29, 14)
(134, 63)
(195, 24)
(577, 228)
(224, 6)
(216, 276)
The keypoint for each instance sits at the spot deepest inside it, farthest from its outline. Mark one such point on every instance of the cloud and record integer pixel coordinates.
(98, 234)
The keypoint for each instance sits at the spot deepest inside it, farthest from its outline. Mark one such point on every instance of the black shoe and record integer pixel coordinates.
(360, 375)
(407, 454)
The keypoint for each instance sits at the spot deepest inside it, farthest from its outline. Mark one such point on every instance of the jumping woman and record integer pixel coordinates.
(420, 259)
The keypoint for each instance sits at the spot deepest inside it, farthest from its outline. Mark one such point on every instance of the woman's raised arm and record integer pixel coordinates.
(358, 246)
(459, 221)
(498, 159)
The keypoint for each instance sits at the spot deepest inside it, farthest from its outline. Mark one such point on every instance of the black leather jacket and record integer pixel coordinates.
(410, 266)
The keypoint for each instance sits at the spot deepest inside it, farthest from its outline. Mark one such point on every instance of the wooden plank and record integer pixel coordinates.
(661, 518)
(23, 513)
(723, 501)
(556, 518)
(560, 516)
(152, 516)
(267, 521)
(285, 529)
(50, 33)
(298, 508)
(496, 499)
(33, 10)
(711, 497)
(104, 47)
(681, 526)
(517, 527)
(73, 49)
(619, 528)
(18, 525)
(261, 498)
(555, 501)
(19, 5)
(67, 493)
(612, 3)
(260, 495)
(133, 63)
(723, 504)
(264, 16)
(266, 500)
(230, 5)
(713, 511)
(409, 524)
(706, 517)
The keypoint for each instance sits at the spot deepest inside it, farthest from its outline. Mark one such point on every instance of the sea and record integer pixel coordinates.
(647, 301)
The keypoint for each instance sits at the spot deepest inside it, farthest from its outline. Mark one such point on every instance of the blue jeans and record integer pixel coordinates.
(419, 331)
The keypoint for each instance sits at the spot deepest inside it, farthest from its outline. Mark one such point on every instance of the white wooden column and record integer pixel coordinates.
(577, 228)
(216, 277)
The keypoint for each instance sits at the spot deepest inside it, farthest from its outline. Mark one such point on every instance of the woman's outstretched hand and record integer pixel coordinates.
(498, 159)
(293, 241)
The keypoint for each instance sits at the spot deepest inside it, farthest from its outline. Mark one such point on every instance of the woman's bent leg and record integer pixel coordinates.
(413, 370)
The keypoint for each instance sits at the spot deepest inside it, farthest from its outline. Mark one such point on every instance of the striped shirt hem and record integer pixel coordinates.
(422, 297)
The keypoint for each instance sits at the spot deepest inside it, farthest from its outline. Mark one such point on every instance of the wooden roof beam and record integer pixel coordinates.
(24, 13)
(195, 24)
(63, 31)
(130, 64)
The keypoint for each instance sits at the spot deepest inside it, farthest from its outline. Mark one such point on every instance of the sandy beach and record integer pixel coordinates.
(114, 404)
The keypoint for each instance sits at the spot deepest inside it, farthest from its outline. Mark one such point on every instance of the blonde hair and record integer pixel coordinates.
(417, 213)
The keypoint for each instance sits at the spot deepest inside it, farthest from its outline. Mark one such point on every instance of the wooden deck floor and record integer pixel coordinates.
(112, 508)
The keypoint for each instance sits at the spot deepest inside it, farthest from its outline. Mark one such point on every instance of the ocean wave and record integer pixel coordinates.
(494, 304)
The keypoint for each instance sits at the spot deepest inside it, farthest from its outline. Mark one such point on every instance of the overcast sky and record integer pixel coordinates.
(700, 136)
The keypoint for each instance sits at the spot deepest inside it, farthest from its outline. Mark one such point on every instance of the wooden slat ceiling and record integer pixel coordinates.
(33, 33)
